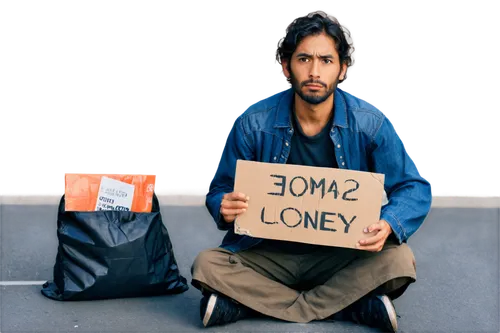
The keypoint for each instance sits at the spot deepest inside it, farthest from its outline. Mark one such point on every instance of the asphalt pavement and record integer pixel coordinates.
(457, 288)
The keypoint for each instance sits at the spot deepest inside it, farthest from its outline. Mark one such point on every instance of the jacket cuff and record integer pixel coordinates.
(219, 220)
(223, 225)
(396, 226)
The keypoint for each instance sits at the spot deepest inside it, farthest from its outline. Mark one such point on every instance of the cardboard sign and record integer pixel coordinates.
(324, 206)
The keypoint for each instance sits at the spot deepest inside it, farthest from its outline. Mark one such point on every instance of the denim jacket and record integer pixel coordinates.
(364, 140)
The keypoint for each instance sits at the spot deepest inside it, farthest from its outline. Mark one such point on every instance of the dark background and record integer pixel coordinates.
(146, 88)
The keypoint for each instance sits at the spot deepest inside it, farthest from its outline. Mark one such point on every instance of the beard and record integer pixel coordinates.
(313, 98)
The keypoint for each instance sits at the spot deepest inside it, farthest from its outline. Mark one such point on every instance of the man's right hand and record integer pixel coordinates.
(232, 205)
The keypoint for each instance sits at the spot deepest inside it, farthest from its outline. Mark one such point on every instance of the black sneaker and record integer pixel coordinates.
(219, 310)
(375, 311)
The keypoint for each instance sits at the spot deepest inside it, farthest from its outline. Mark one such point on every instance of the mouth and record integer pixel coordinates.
(314, 86)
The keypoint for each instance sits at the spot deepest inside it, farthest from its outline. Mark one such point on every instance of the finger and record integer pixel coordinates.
(228, 211)
(377, 247)
(372, 240)
(236, 196)
(229, 218)
(373, 227)
(233, 204)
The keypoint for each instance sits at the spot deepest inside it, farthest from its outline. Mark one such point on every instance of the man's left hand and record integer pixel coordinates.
(377, 241)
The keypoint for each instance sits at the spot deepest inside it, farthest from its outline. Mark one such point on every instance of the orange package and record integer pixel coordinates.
(93, 192)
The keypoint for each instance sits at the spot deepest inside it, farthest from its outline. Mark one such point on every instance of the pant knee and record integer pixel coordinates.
(401, 256)
(206, 268)
(405, 255)
(202, 261)
(394, 288)
(209, 262)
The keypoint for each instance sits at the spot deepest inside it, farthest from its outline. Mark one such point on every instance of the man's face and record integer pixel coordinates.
(315, 68)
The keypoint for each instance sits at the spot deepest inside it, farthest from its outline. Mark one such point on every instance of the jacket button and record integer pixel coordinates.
(338, 146)
(286, 143)
(274, 158)
(343, 163)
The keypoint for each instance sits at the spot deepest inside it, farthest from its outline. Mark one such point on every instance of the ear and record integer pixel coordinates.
(343, 70)
(284, 66)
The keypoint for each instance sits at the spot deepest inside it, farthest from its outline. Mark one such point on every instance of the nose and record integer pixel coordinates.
(314, 71)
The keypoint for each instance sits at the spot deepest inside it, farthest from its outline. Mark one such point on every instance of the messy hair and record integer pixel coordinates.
(313, 24)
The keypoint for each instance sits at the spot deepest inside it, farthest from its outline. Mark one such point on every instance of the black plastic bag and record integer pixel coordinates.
(113, 254)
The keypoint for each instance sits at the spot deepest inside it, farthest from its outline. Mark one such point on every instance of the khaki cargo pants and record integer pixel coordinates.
(304, 287)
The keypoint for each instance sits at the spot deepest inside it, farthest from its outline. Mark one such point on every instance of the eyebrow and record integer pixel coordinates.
(327, 56)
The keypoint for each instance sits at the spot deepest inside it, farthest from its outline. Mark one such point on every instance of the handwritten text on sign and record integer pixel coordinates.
(306, 204)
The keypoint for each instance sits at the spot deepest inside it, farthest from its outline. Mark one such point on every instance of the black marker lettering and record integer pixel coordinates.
(262, 219)
(305, 186)
(347, 225)
(283, 219)
(324, 220)
(308, 219)
(333, 188)
(350, 190)
(321, 185)
(282, 184)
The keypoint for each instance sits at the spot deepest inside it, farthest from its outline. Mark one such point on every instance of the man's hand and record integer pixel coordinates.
(377, 241)
(232, 205)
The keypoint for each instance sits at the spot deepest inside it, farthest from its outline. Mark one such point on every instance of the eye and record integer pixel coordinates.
(327, 61)
(304, 59)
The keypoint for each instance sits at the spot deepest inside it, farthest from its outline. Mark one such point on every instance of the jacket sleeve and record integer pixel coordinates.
(409, 194)
(237, 147)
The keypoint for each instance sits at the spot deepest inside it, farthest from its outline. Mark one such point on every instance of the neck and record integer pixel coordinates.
(316, 115)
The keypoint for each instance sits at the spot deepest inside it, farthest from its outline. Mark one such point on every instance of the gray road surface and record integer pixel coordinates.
(457, 253)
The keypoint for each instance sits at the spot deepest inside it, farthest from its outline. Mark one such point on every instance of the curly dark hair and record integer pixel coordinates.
(313, 24)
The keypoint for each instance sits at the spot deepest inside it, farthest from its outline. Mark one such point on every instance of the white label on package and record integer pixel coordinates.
(114, 195)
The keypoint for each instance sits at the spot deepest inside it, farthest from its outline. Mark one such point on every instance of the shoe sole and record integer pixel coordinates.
(210, 309)
(390, 311)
